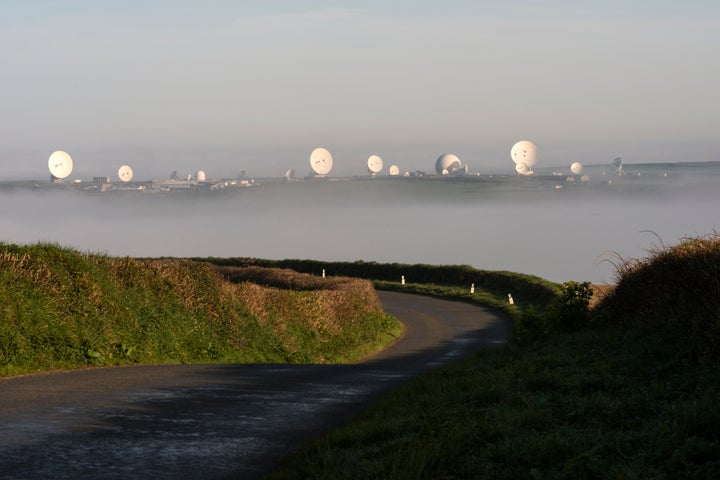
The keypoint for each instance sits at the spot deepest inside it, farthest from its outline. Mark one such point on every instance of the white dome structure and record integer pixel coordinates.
(447, 164)
(321, 161)
(200, 176)
(60, 164)
(375, 164)
(576, 168)
(125, 173)
(525, 152)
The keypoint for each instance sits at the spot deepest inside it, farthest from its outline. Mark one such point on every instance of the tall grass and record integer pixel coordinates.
(675, 292)
(60, 308)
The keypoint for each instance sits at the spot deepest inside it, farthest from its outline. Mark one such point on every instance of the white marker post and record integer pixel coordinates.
(472, 288)
(323, 273)
(402, 280)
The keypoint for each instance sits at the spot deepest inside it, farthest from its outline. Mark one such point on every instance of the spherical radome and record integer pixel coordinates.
(321, 161)
(576, 168)
(394, 170)
(125, 173)
(60, 164)
(524, 151)
(447, 164)
(200, 176)
(375, 164)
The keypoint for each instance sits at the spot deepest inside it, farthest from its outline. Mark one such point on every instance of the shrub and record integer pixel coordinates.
(675, 292)
(569, 311)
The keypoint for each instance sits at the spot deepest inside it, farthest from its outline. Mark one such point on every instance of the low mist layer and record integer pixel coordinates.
(542, 226)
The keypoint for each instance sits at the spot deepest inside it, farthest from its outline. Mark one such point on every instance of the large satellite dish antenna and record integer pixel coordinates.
(525, 152)
(576, 168)
(447, 164)
(375, 164)
(617, 163)
(321, 161)
(125, 173)
(60, 164)
(394, 170)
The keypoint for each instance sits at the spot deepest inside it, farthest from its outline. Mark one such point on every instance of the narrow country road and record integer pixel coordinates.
(216, 421)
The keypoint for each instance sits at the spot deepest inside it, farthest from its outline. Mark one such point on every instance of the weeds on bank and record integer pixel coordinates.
(60, 308)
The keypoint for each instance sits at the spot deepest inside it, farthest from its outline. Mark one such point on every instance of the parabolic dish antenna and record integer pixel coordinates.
(290, 173)
(375, 164)
(525, 152)
(447, 164)
(523, 169)
(321, 161)
(60, 164)
(617, 163)
(125, 173)
(394, 170)
(576, 168)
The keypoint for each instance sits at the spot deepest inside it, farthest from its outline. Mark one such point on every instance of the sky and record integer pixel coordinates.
(254, 86)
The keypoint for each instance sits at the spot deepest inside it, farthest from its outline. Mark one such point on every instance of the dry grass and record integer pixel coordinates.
(284, 296)
(599, 292)
(675, 291)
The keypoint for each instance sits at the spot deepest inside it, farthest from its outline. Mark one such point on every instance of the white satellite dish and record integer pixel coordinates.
(525, 152)
(447, 164)
(125, 173)
(200, 176)
(321, 161)
(394, 170)
(617, 163)
(523, 169)
(375, 164)
(576, 168)
(60, 164)
(290, 173)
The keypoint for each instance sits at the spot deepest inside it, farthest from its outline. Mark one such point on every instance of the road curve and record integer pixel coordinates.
(216, 421)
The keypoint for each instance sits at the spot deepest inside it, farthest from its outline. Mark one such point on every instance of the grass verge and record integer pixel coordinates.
(629, 390)
(602, 403)
(62, 309)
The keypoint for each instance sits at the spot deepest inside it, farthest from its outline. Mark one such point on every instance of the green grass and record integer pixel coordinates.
(630, 391)
(602, 403)
(62, 309)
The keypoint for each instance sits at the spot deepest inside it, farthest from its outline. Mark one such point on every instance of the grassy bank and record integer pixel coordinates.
(491, 286)
(629, 390)
(60, 309)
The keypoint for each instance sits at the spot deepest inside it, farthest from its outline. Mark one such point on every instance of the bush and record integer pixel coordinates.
(566, 313)
(674, 292)
(569, 311)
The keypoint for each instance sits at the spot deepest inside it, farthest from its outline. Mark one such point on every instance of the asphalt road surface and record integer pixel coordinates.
(217, 421)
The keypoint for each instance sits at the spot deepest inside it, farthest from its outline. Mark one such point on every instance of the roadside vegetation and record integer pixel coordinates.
(626, 387)
(619, 385)
(62, 309)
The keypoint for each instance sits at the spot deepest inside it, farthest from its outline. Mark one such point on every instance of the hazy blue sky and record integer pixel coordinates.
(255, 85)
